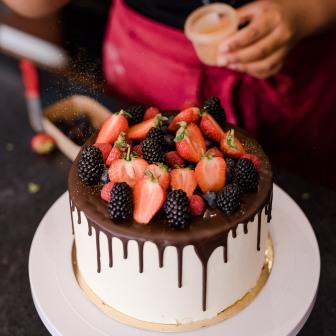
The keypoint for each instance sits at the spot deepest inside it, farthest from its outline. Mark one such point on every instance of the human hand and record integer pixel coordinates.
(260, 47)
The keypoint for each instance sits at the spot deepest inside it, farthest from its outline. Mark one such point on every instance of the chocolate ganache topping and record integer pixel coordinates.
(205, 234)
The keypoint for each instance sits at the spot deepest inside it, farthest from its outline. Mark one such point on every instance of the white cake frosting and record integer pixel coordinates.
(154, 295)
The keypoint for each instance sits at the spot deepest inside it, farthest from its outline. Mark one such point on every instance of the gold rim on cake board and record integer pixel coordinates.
(225, 314)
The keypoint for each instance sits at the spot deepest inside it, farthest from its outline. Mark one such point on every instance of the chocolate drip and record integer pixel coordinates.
(90, 228)
(161, 250)
(234, 232)
(268, 207)
(79, 220)
(179, 250)
(98, 249)
(125, 247)
(140, 246)
(259, 230)
(71, 210)
(225, 248)
(109, 242)
(245, 228)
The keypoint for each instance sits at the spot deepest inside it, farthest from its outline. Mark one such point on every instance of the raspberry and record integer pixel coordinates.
(197, 205)
(105, 193)
(173, 159)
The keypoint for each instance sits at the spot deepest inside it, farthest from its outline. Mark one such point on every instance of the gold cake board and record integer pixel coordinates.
(225, 314)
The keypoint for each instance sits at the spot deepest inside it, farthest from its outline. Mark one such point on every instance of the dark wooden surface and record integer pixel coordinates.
(21, 211)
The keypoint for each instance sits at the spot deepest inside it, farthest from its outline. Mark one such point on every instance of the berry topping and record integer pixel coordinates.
(210, 198)
(231, 146)
(228, 198)
(151, 112)
(189, 115)
(160, 172)
(105, 177)
(230, 164)
(253, 158)
(112, 127)
(246, 174)
(129, 170)
(177, 209)
(168, 141)
(149, 197)
(174, 160)
(115, 154)
(210, 173)
(211, 128)
(214, 151)
(197, 205)
(213, 106)
(120, 206)
(140, 131)
(105, 193)
(189, 142)
(135, 114)
(43, 143)
(152, 151)
(137, 150)
(156, 134)
(90, 165)
(105, 148)
(183, 179)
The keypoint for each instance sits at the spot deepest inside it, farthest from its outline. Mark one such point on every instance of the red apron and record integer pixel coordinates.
(293, 114)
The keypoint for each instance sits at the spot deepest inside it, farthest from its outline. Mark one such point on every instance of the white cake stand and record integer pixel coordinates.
(281, 308)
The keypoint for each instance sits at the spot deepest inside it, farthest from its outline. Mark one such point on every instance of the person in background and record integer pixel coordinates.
(275, 77)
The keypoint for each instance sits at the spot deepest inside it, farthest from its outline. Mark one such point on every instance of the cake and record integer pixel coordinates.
(201, 241)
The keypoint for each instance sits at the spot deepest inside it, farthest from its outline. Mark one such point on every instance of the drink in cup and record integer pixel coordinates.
(207, 27)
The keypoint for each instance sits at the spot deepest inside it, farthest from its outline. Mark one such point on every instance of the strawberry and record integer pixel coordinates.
(183, 178)
(112, 127)
(210, 173)
(43, 143)
(189, 115)
(105, 148)
(197, 205)
(160, 172)
(173, 159)
(137, 150)
(139, 131)
(105, 193)
(189, 142)
(127, 170)
(148, 196)
(151, 112)
(214, 151)
(122, 142)
(231, 146)
(253, 158)
(188, 103)
(115, 154)
(211, 128)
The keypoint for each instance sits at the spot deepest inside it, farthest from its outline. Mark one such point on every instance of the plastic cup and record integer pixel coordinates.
(207, 26)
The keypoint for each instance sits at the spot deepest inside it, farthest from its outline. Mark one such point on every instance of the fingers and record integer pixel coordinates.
(258, 51)
(258, 27)
(263, 68)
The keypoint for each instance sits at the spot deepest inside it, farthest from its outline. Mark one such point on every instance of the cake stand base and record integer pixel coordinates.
(280, 309)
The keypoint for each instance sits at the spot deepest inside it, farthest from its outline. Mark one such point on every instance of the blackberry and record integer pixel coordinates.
(105, 177)
(156, 134)
(90, 165)
(210, 198)
(246, 175)
(120, 206)
(228, 198)
(214, 107)
(230, 164)
(152, 151)
(177, 209)
(136, 114)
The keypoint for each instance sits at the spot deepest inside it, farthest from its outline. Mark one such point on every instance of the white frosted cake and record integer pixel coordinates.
(169, 244)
